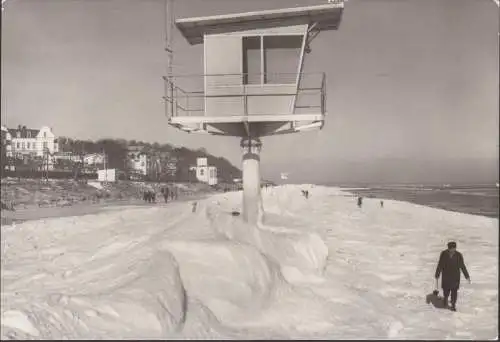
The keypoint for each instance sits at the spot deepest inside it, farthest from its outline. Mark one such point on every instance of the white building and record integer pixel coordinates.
(93, 159)
(140, 163)
(69, 156)
(26, 141)
(138, 160)
(204, 172)
(108, 175)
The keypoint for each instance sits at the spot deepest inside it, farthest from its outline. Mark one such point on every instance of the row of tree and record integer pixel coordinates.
(116, 151)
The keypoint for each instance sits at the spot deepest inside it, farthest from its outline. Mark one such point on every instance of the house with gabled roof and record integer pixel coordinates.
(28, 141)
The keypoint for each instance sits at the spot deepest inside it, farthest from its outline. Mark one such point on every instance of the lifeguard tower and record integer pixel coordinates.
(253, 85)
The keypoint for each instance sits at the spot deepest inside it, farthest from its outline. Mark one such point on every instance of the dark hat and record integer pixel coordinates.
(452, 244)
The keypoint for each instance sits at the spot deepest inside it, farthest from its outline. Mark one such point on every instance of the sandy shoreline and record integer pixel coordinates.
(87, 208)
(81, 208)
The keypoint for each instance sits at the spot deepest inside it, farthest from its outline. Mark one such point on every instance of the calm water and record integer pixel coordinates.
(476, 200)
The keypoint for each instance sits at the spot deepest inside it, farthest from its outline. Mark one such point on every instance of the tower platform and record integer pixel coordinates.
(245, 110)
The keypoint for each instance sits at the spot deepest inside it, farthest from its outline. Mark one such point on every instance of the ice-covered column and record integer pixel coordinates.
(252, 201)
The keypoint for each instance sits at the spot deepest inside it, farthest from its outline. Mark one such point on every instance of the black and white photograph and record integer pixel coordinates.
(249, 170)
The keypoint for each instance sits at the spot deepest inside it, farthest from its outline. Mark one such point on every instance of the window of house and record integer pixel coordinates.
(45, 134)
(18, 145)
(271, 59)
(28, 145)
(45, 145)
(202, 172)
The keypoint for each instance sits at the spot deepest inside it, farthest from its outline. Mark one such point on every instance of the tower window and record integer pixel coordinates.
(271, 59)
(252, 61)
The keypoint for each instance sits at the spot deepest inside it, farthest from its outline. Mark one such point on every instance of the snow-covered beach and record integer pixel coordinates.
(316, 268)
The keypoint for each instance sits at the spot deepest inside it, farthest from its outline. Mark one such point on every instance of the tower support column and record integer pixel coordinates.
(252, 200)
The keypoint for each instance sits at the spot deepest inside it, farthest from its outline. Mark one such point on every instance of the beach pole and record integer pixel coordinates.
(252, 201)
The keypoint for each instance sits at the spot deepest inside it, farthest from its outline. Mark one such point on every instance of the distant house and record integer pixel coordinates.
(171, 166)
(34, 142)
(25, 143)
(6, 141)
(66, 161)
(108, 175)
(92, 159)
(204, 172)
(69, 156)
(138, 160)
(6, 138)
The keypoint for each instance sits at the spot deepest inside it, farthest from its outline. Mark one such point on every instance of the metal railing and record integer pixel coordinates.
(309, 97)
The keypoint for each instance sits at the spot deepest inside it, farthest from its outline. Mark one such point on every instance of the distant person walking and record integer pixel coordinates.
(381, 204)
(165, 194)
(449, 265)
(149, 196)
(360, 202)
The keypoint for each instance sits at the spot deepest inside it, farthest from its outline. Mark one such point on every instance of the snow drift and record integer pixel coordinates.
(314, 268)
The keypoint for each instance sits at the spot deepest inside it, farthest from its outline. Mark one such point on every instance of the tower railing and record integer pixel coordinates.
(187, 95)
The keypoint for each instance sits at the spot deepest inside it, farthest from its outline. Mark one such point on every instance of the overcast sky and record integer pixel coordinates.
(412, 84)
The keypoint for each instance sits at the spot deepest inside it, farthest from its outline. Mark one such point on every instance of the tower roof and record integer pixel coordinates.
(326, 17)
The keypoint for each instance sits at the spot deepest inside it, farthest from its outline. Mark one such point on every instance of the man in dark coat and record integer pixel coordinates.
(450, 263)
